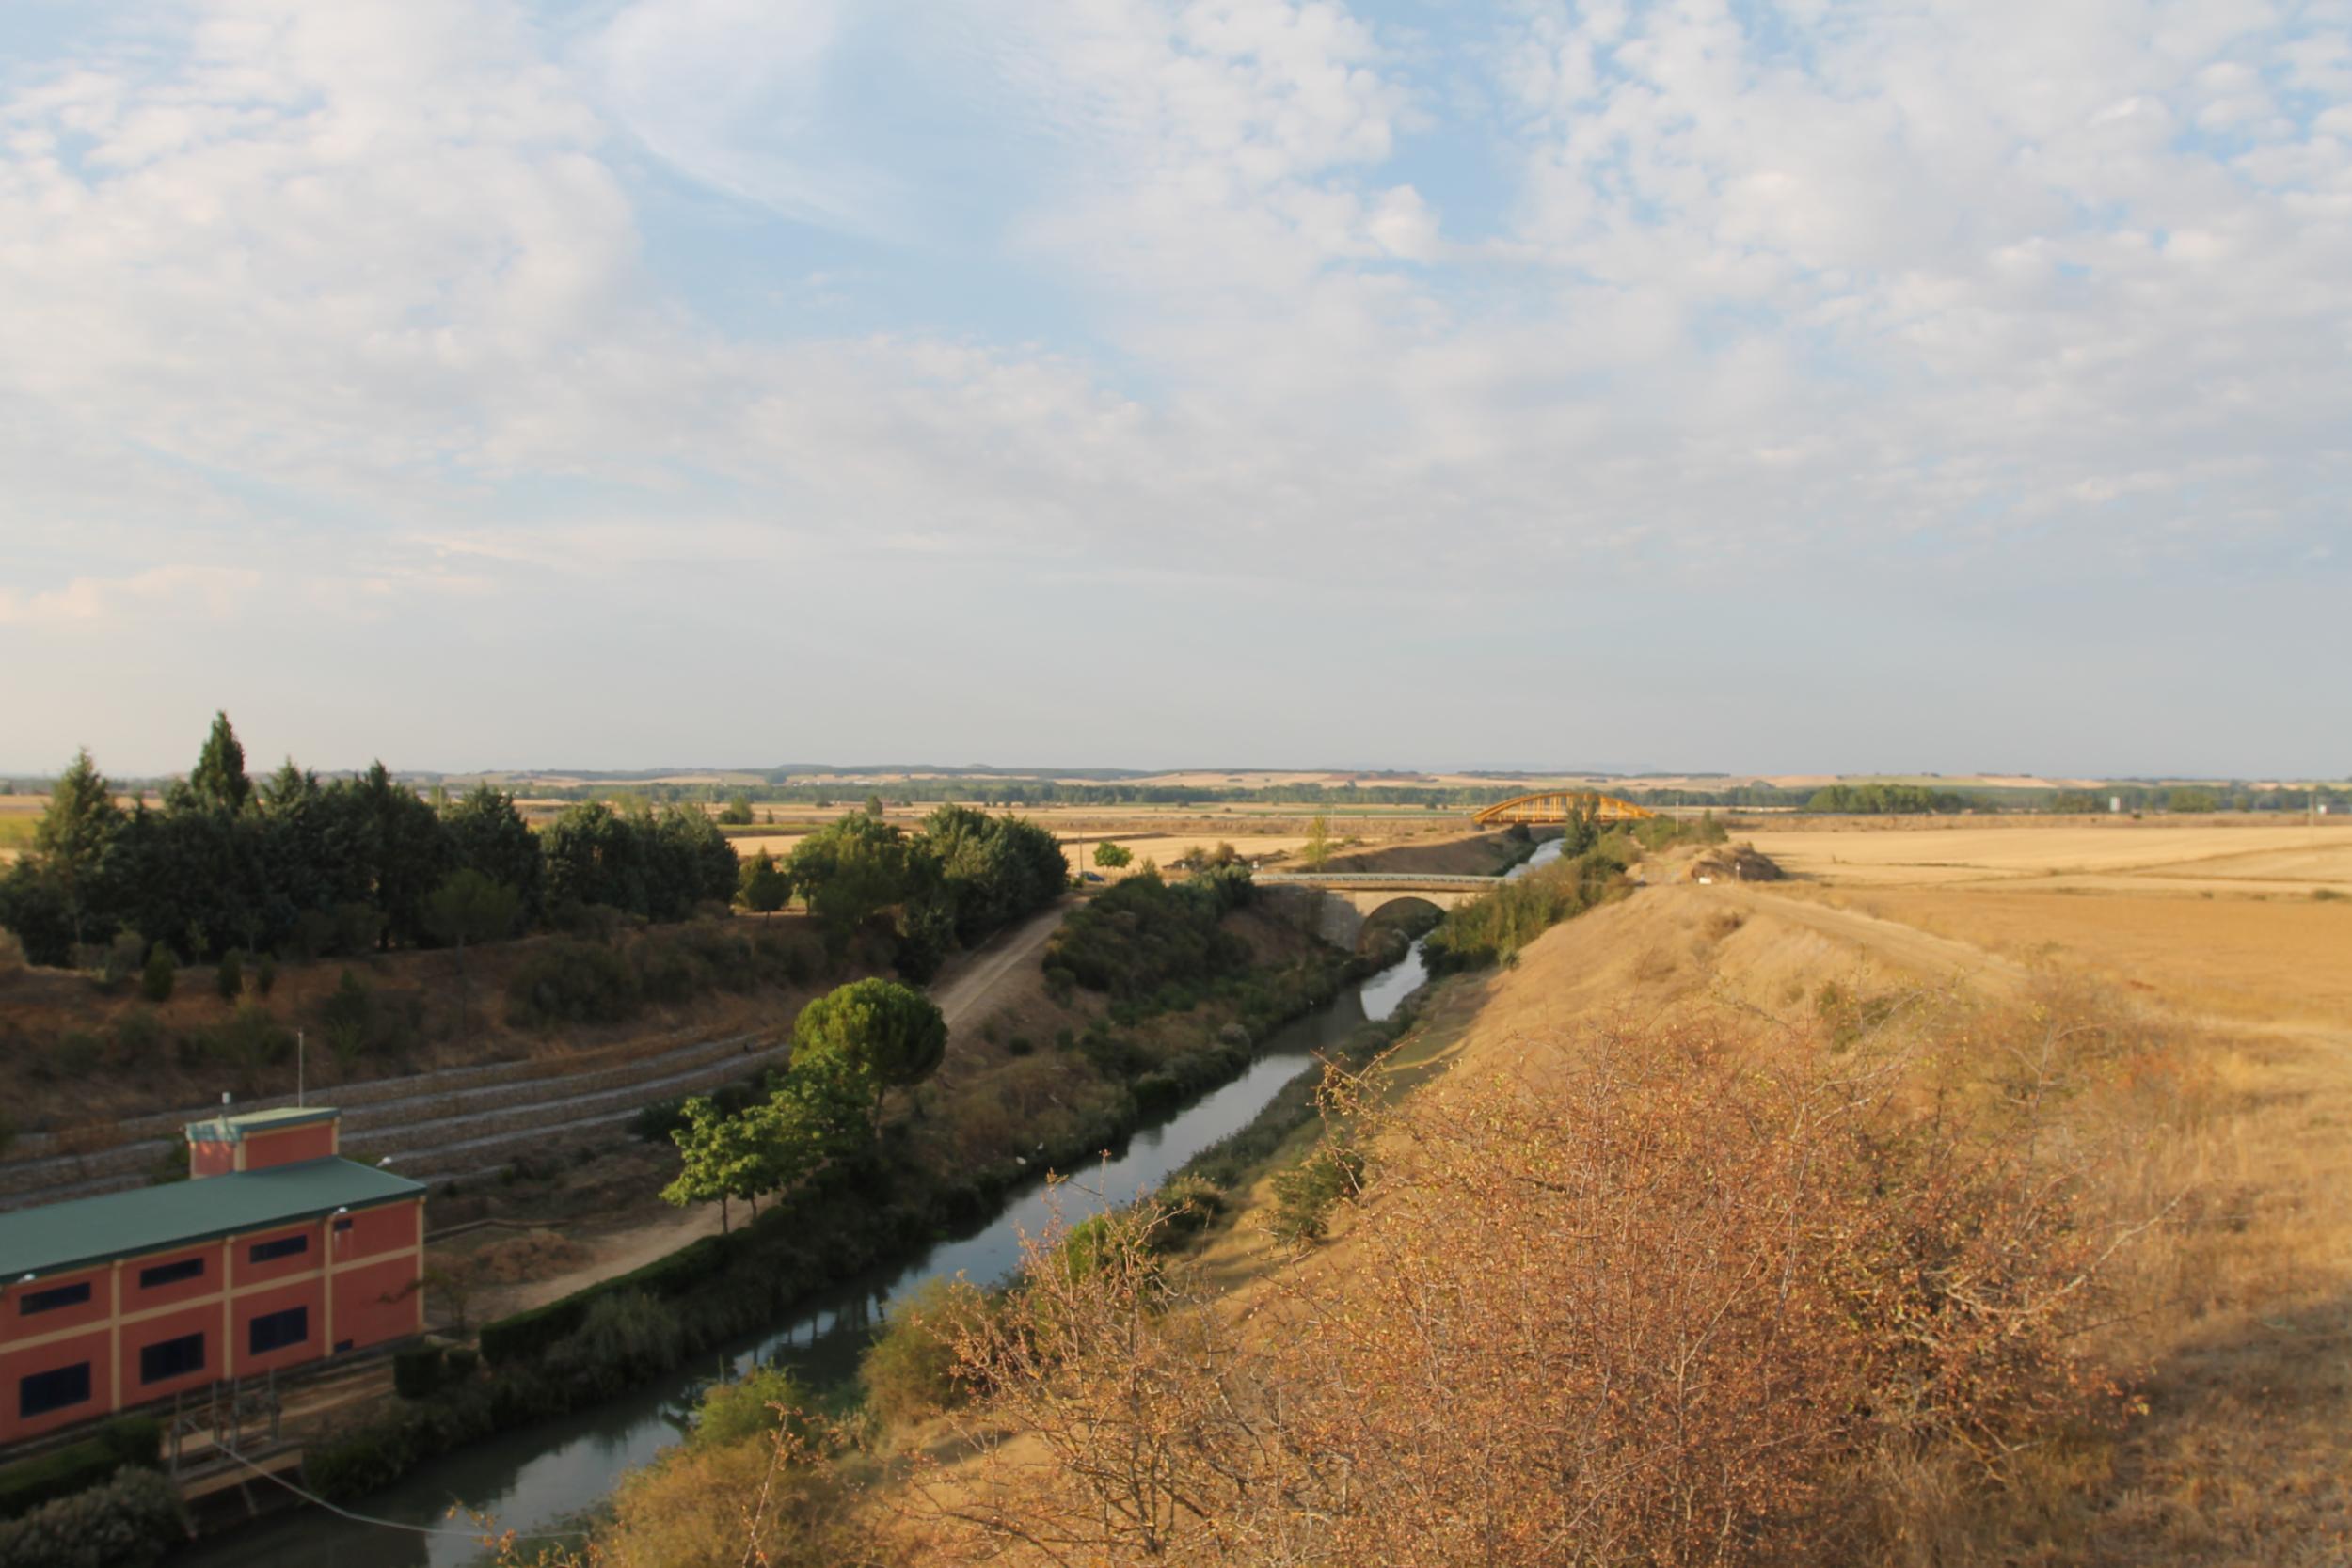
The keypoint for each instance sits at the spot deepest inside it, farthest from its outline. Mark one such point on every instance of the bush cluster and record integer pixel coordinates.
(129, 1440)
(1305, 1194)
(1492, 928)
(572, 980)
(417, 1370)
(1143, 934)
(127, 1521)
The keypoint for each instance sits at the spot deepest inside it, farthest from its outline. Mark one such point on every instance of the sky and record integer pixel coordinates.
(1951, 385)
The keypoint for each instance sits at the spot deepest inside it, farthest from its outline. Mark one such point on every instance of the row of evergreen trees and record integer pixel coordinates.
(1877, 800)
(302, 869)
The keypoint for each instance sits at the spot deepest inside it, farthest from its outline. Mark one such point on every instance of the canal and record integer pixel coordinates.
(537, 1478)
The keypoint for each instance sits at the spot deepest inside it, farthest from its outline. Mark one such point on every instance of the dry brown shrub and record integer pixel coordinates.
(1654, 965)
(532, 1256)
(1669, 1306)
(782, 1502)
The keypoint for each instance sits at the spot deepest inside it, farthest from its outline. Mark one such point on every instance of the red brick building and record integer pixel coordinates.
(278, 1252)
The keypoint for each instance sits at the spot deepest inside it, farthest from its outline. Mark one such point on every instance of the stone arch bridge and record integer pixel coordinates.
(1335, 904)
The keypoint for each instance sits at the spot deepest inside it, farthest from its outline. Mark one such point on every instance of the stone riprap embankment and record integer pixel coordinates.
(437, 1126)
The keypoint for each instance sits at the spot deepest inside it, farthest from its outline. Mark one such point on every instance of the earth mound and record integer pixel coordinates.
(1735, 863)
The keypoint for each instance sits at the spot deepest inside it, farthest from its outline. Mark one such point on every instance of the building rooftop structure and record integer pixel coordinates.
(236, 1129)
(89, 1230)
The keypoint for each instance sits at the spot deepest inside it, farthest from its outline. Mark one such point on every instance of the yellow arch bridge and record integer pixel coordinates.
(1560, 805)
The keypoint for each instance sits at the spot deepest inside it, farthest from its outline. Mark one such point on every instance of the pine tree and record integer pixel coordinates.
(219, 780)
(892, 1034)
(765, 888)
(73, 835)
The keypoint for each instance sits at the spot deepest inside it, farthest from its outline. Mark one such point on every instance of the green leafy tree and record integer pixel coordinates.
(893, 1036)
(993, 870)
(33, 908)
(593, 857)
(708, 1146)
(874, 807)
(469, 907)
(737, 811)
(405, 853)
(755, 1405)
(71, 841)
(218, 782)
(486, 833)
(660, 868)
(765, 889)
(690, 864)
(828, 1103)
(761, 1147)
(1113, 857)
(1316, 851)
(852, 872)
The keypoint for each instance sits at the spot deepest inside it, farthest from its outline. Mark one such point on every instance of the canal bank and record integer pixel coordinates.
(534, 1477)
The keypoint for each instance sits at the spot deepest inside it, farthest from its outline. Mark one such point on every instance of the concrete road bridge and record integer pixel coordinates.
(1335, 904)
(1556, 806)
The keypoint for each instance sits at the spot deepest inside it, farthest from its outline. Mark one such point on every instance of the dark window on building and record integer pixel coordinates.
(49, 1300)
(171, 1273)
(342, 1345)
(43, 1392)
(276, 1330)
(343, 1224)
(172, 1358)
(285, 1246)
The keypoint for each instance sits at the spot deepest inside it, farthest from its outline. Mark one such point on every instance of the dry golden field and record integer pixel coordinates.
(2129, 856)
(2247, 922)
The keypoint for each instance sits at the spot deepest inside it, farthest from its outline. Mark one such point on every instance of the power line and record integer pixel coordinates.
(316, 1500)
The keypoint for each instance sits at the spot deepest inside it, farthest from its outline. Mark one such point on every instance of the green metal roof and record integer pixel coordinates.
(89, 1230)
(211, 1131)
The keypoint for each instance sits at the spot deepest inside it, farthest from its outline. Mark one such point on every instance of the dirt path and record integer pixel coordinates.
(616, 1252)
(966, 992)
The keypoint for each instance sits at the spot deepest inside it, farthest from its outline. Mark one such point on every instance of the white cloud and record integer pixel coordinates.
(116, 604)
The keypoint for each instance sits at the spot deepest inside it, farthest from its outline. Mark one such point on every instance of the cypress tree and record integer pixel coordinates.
(219, 780)
(74, 834)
